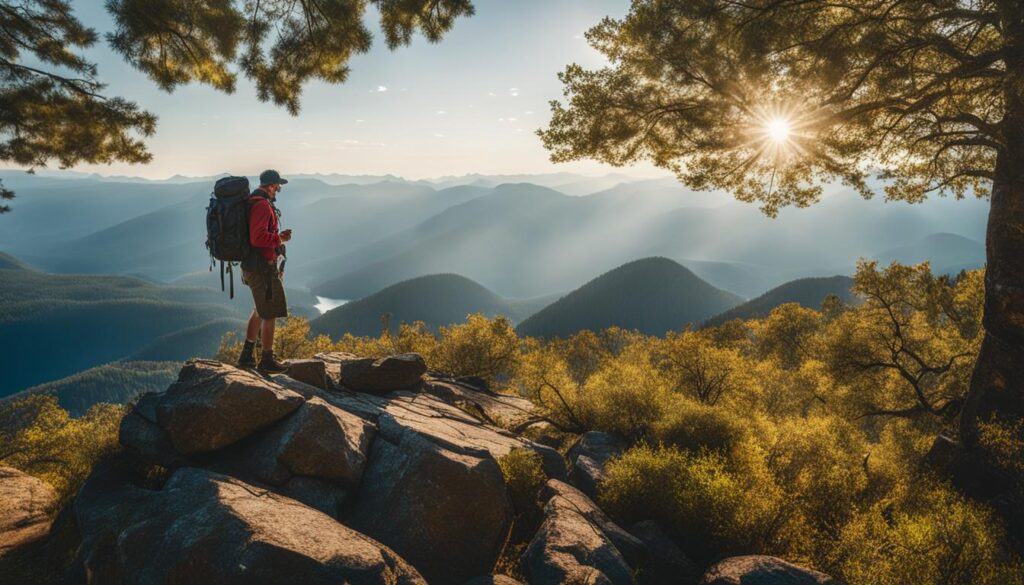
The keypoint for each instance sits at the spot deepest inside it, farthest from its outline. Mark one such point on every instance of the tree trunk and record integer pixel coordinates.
(997, 386)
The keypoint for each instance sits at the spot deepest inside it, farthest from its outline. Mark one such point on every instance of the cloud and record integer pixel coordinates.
(492, 94)
(381, 88)
(513, 91)
(442, 113)
(359, 120)
(438, 135)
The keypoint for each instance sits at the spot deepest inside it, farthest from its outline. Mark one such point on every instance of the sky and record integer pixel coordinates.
(469, 104)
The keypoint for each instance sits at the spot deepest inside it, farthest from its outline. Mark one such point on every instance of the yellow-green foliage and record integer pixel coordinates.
(690, 425)
(487, 348)
(42, 439)
(929, 535)
(799, 435)
(524, 476)
(694, 495)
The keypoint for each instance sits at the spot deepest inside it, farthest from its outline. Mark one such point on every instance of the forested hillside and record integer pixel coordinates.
(806, 292)
(652, 296)
(439, 299)
(113, 383)
(52, 325)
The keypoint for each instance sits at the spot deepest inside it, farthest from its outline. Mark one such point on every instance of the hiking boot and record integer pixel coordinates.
(246, 359)
(269, 365)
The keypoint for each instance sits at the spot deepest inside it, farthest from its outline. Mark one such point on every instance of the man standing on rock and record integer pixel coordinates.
(263, 274)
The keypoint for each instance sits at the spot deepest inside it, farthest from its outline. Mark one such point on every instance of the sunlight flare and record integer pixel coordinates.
(778, 129)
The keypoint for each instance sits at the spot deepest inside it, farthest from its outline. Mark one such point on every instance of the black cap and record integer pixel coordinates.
(271, 177)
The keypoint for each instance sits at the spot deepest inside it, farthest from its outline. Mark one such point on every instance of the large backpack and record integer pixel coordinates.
(227, 226)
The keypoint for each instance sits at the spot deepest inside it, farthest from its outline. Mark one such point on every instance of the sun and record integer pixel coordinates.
(778, 129)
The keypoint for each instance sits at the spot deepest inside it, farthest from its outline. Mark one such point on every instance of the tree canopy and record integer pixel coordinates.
(771, 98)
(52, 102)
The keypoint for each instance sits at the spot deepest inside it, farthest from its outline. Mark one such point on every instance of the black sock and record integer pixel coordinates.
(268, 354)
(248, 346)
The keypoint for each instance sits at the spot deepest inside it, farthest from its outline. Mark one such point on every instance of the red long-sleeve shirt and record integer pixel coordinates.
(263, 232)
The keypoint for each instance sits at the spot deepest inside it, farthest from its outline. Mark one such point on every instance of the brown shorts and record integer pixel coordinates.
(274, 308)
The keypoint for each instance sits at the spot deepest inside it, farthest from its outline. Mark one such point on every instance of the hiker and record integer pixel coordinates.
(264, 278)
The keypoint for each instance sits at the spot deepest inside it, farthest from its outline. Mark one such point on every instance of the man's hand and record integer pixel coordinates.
(286, 235)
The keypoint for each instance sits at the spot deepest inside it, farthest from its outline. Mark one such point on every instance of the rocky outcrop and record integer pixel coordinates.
(299, 478)
(26, 504)
(406, 469)
(763, 570)
(203, 527)
(374, 376)
(213, 405)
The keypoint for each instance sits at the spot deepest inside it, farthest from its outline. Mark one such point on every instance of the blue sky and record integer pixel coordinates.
(469, 104)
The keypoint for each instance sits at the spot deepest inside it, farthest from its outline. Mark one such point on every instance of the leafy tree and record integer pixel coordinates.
(909, 347)
(51, 103)
(696, 367)
(487, 348)
(771, 98)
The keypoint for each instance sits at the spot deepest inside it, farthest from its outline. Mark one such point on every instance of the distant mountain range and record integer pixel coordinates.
(652, 295)
(520, 236)
(807, 292)
(948, 253)
(439, 299)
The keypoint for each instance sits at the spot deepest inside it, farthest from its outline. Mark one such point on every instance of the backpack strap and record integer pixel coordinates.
(221, 276)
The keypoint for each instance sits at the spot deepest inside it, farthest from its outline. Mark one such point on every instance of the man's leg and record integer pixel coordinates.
(252, 330)
(267, 333)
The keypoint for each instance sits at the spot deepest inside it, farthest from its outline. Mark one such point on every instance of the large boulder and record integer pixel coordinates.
(445, 512)
(213, 405)
(310, 371)
(26, 504)
(763, 570)
(568, 548)
(203, 527)
(632, 548)
(317, 440)
(374, 376)
(588, 457)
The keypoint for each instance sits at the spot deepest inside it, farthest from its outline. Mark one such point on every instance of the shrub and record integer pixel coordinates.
(693, 426)
(623, 398)
(931, 535)
(524, 477)
(692, 495)
(482, 347)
